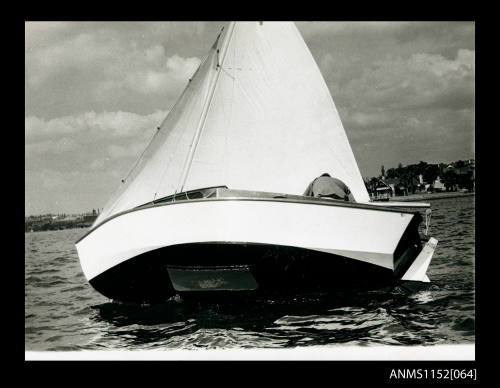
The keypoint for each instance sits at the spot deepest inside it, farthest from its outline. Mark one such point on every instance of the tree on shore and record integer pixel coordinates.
(391, 173)
(431, 173)
(450, 180)
(408, 175)
(421, 167)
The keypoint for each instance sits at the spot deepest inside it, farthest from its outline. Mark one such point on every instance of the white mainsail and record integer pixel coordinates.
(257, 115)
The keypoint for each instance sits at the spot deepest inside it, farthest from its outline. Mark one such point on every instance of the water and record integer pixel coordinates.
(63, 312)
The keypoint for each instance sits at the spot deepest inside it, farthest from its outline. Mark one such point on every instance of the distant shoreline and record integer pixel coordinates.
(428, 197)
(52, 228)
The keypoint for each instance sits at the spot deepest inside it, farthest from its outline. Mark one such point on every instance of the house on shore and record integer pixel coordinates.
(382, 191)
(437, 185)
(459, 176)
(397, 187)
(58, 222)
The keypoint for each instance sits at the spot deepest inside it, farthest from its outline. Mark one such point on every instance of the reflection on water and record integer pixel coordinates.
(64, 313)
(391, 317)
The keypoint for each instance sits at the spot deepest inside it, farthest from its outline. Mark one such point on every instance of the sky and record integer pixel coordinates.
(96, 91)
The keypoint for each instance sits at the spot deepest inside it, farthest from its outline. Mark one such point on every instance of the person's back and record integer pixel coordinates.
(326, 186)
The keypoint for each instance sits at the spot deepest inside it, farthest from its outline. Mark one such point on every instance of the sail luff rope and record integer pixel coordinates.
(117, 192)
(204, 115)
(141, 155)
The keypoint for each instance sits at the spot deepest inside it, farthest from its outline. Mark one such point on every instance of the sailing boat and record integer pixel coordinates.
(215, 203)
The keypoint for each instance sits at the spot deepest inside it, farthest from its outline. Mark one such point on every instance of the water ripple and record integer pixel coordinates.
(63, 312)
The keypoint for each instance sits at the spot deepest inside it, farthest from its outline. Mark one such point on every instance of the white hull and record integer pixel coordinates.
(363, 233)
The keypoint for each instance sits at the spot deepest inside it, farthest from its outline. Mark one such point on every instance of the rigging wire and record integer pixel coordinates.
(160, 181)
(214, 47)
(233, 77)
(197, 136)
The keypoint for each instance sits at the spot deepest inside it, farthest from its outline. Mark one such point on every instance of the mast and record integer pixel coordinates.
(206, 107)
